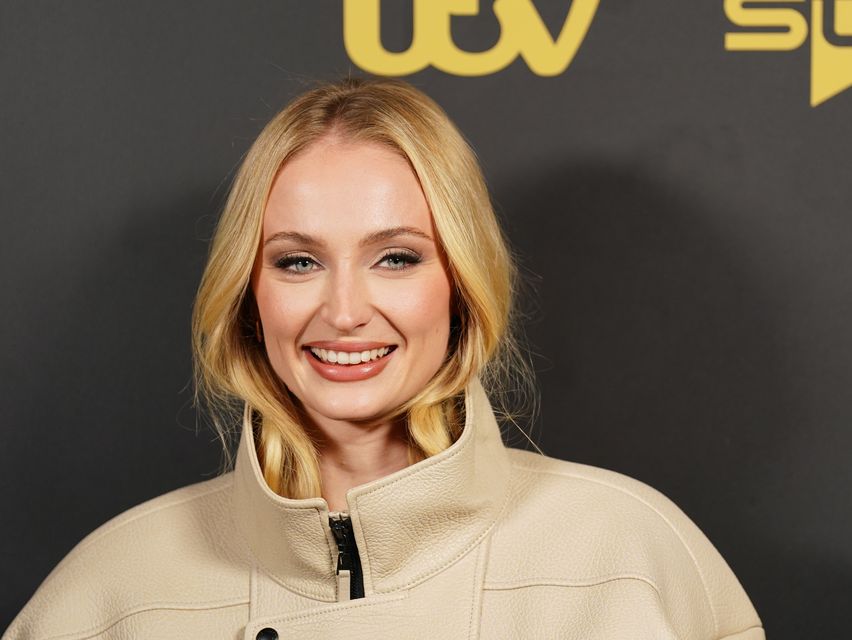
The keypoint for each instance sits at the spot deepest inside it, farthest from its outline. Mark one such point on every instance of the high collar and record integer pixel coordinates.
(408, 525)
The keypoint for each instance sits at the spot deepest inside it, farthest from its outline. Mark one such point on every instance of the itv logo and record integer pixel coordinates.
(830, 31)
(522, 33)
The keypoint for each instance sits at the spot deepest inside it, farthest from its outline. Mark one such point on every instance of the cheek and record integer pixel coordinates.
(422, 310)
(282, 310)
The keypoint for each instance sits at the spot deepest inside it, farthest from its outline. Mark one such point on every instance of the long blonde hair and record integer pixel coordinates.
(232, 368)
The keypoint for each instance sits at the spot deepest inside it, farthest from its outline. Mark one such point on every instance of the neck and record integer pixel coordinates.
(354, 453)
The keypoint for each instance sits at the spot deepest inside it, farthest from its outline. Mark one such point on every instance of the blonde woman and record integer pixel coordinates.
(356, 316)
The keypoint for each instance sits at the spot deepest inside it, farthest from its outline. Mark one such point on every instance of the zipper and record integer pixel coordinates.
(350, 580)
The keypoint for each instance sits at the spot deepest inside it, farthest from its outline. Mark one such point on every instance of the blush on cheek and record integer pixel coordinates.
(427, 308)
(285, 309)
(427, 296)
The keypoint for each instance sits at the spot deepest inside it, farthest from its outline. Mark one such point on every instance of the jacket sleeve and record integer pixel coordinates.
(160, 555)
(729, 612)
(598, 524)
(645, 532)
(69, 601)
(755, 633)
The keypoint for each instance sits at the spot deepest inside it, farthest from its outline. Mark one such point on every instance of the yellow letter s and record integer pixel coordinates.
(792, 20)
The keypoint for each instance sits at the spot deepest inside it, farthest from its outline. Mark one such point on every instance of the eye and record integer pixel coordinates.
(296, 264)
(397, 260)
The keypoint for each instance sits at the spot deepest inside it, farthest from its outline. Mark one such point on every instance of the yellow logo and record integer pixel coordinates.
(830, 30)
(522, 32)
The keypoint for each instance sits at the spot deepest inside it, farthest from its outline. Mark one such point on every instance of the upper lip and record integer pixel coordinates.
(340, 345)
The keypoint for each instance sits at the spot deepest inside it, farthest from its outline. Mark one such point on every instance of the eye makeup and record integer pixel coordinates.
(301, 263)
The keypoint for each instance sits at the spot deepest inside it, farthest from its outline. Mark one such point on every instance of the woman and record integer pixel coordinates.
(356, 307)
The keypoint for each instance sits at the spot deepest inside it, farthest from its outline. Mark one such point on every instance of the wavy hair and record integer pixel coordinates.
(231, 370)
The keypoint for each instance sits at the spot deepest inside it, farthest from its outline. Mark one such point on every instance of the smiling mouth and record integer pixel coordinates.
(345, 358)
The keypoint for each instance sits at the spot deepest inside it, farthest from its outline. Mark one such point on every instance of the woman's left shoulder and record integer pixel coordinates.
(591, 524)
(615, 493)
(606, 506)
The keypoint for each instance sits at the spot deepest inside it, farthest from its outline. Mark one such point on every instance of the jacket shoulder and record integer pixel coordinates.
(593, 524)
(177, 550)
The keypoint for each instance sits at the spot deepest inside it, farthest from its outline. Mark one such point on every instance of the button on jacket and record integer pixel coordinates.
(479, 541)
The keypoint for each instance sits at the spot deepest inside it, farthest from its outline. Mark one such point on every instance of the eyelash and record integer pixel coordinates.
(409, 258)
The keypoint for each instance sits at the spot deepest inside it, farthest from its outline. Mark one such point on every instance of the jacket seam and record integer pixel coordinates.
(546, 582)
(347, 605)
(88, 541)
(506, 585)
(661, 515)
(472, 417)
(476, 593)
(318, 597)
(257, 562)
(409, 474)
(740, 632)
(425, 576)
(254, 588)
(87, 634)
(412, 472)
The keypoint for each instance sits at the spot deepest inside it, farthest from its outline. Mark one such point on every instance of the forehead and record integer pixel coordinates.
(344, 189)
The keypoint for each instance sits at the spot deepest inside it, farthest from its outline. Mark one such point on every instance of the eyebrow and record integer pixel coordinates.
(370, 238)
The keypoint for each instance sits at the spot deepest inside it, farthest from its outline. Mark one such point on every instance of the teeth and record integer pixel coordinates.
(349, 357)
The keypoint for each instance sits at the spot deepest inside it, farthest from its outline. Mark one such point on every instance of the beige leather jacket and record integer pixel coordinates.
(480, 541)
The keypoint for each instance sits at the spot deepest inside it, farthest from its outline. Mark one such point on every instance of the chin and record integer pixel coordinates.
(344, 414)
(354, 409)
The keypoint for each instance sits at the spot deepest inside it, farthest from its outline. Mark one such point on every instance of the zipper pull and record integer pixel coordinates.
(349, 580)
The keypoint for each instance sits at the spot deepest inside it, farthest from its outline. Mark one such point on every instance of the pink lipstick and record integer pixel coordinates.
(330, 359)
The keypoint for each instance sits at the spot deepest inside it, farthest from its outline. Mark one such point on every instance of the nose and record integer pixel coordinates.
(346, 305)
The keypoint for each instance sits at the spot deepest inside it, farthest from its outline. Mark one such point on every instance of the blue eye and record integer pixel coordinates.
(399, 260)
(296, 264)
(302, 264)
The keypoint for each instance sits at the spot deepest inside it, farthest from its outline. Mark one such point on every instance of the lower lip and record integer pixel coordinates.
(348, 372)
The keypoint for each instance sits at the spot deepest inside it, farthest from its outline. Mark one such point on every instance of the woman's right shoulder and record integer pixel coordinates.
(176, 547)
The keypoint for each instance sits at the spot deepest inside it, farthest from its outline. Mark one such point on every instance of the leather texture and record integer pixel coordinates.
(479, 541)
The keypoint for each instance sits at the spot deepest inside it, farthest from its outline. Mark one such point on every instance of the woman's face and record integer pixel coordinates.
(350, 269)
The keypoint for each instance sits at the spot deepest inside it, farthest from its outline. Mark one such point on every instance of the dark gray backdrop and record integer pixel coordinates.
(682, 211)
